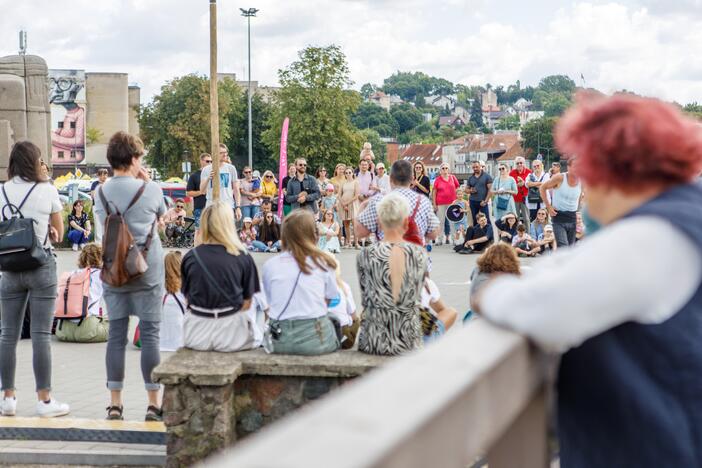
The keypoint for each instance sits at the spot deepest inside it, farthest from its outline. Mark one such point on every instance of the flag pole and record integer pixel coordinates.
(214, 104)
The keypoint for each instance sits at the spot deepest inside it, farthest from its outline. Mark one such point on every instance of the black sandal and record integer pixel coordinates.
(114, 413)
(153, 414)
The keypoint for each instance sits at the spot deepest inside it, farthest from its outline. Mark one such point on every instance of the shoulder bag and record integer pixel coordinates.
(501, 203)
(534, 195)
(19, 248)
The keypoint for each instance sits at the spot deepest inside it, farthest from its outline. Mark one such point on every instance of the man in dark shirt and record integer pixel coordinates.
(303, 189)
(479, 188)
(193, 189)
(478, 237)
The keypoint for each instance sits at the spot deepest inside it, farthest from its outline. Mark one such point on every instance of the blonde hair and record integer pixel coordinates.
(367, 151)
(392, 211)
(172, 267)
(299, 237)
(217, 227)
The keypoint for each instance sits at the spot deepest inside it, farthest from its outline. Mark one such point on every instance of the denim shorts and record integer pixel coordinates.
(307, 337)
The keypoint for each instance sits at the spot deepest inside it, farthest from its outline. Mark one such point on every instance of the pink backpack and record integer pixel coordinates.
(73, 301)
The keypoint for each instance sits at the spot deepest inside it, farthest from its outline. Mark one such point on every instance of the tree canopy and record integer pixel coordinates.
(314, 96)
(538, 138)
(408, 85)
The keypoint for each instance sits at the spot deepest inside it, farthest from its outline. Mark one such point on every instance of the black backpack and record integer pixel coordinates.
(19, 248)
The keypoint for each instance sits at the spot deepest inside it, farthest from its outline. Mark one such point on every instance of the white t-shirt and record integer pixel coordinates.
(545, 177)
(309, 300)
(42, 202)
(227, 177)
(430, 294)
(383, 184)
(343, 306)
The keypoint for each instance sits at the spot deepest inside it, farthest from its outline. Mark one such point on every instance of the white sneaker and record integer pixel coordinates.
(75, 247)
(8, 407)
(52, 409)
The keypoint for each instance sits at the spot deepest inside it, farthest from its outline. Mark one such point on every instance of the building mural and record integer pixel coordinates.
(67, 99)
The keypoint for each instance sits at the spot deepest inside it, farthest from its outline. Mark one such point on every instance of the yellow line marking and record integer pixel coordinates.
(90, 424)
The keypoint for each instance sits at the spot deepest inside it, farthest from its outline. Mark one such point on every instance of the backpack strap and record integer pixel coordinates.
(180, 304)
(136, 196)
(16, 209)
(104, 201)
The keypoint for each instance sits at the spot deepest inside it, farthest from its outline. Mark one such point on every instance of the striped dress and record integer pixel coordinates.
(390, 327)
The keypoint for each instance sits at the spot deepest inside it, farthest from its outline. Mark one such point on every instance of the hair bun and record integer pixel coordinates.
(367, 146)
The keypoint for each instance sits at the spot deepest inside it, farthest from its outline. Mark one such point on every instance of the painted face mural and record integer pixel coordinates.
(67, 98)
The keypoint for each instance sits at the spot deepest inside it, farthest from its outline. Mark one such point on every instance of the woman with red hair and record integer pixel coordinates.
(625, 305)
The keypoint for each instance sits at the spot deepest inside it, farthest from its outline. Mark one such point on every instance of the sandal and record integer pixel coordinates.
(114, 413)
(154, 414)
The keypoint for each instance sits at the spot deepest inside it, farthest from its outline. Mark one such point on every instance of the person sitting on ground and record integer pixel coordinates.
(523, 244)
(342, 310)
(437, 317)
(328, 231)
(266, 207)
(547, 242)
(174, 219)
(79, 226)
(478, 237)
(249, 236)
(94, 327)
(299, 285)
(269, 232)
(391, 275)
(507, 227)
(579, 227)
(536, 229)
(174, 305)
(219, 279)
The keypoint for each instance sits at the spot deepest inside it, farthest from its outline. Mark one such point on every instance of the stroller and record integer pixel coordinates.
(181, 237)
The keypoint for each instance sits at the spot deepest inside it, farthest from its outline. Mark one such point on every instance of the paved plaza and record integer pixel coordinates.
(79, 369)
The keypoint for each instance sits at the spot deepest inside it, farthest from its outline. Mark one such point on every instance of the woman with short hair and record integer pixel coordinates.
(29, 193)
(299, 284)
(140, 202)
(391, 274)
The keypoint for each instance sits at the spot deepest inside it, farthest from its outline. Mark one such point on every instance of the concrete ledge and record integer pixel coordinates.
(69, 457)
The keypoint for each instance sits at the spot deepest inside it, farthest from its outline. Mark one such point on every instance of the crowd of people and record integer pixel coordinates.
(616, 341)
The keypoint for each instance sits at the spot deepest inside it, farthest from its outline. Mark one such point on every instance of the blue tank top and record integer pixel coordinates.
(565, 197)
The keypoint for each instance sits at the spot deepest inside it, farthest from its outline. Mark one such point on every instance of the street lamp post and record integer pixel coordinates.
(248, 14)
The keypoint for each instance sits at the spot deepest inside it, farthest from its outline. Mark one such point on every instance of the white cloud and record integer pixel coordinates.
(640, 45)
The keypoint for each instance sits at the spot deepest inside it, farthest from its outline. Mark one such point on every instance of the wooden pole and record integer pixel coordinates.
(214, 101)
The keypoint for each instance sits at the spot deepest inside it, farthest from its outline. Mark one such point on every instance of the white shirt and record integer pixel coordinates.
(227, 178)
(256, 315)
(343, 309)
(430, 295)
(43, 201)
(95, 292)
(545, 177)
(383, 184)
(636, 270)
(308, 300)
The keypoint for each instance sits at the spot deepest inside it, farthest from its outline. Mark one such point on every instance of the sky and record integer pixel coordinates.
(650, 47)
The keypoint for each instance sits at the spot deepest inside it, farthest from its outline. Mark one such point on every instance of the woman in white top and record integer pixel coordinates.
(299, 285)
(174, 304)
(27, 191)
(533, 182)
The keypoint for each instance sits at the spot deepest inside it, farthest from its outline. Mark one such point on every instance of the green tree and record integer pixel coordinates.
(178, 120)
(509, 123)
(557, 84)
(407, 117)
(538, 137)
(238, 141)
(367, 90)
(314, 96)
(694, 109)
(476, 113)
(555, 104)
(408, 85)
(375, 117)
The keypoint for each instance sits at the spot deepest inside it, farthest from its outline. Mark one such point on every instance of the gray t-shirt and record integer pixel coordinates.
(480, 184)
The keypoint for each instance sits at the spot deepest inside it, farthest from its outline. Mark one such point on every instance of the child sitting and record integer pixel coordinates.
(342, 310)
(523, 243)
(248, 235)
(94, 327)
(498, 258)
(547, 242)
(436, 316)
(174, 305)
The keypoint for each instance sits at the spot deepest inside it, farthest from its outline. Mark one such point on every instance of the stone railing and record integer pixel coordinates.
(476, 393)
(212, 400)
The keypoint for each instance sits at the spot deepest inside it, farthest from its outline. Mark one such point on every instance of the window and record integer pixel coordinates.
(60, 124)
(73, 155)
(73, 125)
(60, 154)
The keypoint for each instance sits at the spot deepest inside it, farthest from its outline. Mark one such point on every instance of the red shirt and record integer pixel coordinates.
(523, 190)
(445, 189)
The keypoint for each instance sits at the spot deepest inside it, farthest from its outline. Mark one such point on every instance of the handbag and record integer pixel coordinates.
(534, 196)
(19, 248)
(501, 203)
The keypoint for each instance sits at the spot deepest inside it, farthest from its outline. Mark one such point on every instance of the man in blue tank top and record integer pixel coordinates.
(624, 306)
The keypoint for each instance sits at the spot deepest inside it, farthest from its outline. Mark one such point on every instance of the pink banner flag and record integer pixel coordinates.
(283, 169)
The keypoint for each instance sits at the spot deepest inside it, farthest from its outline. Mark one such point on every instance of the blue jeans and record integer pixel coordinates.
(249, 211)
(197, 212)
(475, 208)
(77, 237)
(39, 288)
(116, 349)
(564, 233)
(258, 246)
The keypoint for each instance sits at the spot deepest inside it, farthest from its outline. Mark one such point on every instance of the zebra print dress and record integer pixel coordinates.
(390, 328)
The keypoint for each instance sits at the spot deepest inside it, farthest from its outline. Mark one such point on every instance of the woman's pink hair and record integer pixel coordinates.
(627, 142)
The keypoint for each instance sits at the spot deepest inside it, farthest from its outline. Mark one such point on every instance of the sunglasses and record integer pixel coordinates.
(179, 206)
(269, 217)
(268, 177)
(348, 173)
(502, 168)
(520, 164)
(247, 172)
(208, 161)
(302, 165)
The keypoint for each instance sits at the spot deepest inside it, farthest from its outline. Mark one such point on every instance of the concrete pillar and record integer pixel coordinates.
(134, 100)
(38, 111)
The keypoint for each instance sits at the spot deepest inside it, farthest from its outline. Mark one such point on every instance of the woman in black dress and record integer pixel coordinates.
(420, 183)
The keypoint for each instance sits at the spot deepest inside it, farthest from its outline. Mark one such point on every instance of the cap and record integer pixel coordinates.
(247, 220)
(329, 187)
(379, 165)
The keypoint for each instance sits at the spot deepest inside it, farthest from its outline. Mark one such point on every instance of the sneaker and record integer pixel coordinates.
(82, 246)
(8, 406)
(75, 247)
(52, 409)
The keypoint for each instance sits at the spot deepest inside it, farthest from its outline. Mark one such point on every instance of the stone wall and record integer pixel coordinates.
(211, 400)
